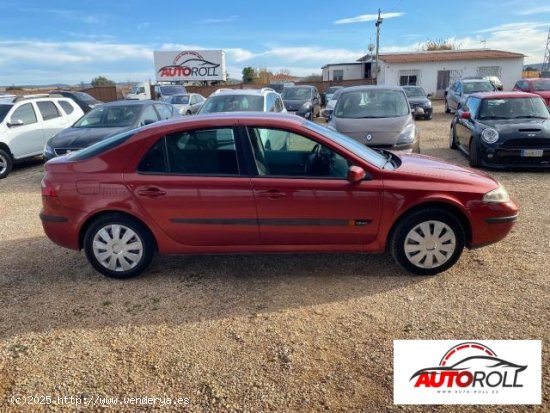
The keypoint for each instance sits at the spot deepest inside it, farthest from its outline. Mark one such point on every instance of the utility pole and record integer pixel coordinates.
(378, 23)
(545, 69)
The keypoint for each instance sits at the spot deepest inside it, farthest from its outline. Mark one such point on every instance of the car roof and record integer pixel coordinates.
(130, 102)
(479, 80)
(371, 87)
(255, 92)
(504, 95)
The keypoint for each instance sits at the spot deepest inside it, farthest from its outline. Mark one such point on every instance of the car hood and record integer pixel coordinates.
(383, 131)
(512, 126)
(77, 138)
(425, 168)
(419, 100)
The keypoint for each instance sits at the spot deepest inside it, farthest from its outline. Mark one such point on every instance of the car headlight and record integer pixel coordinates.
(48, 149)
(182, 111)
(497, 196)
(407, 135)
(428, 104)
(489, 135)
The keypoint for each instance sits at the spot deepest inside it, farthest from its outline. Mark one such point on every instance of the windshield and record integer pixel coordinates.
(541, 84)
(297, 93)
(363, 151)
(473, 87)
(513, 108)
(180, 99)
(414, 92)
(371, 104)
(110, 117)
(172, 90)
(4, 109)
(233, 103)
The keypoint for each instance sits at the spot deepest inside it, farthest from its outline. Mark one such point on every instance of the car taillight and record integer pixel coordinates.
(48, 189)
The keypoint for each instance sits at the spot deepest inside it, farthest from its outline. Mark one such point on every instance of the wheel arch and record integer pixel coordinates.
(100, 214)
(441, 205)
(4, 146)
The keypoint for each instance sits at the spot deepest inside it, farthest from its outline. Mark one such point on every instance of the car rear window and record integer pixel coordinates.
(101, 146)
(233, 103)
(67, 107)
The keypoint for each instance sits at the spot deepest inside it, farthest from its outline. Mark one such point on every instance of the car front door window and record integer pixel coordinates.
(25, 114)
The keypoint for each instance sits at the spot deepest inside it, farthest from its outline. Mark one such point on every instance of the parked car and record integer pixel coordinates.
(497, 83)
(6, 98)
(188, 103)
(377, 116)
(503, 129)
(327, 96)
(84, 100)
(329, 108)
(420, 102)
(537, 86)
(461, 89)
(107, 120)
(205, 184)
(249, 100)
(27, 122)
(304, 101)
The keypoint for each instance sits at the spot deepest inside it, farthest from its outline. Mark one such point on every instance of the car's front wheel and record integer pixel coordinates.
(427, 242)
(452, 138)
(6, 163)
(118, 246)
(474, 158)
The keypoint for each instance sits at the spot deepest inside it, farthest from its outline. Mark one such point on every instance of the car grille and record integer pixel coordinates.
(527, 143)
(63, 151)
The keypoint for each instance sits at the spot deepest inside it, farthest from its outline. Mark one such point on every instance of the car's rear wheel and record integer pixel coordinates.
(474, 157)
(427, 242)
(118, 246)
(452, 138)
(6, 163)
(188, 113)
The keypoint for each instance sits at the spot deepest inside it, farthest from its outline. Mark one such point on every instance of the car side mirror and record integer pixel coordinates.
(465, 115)
(18, 122)
(356, 174)
(430, 95)
(148, 122)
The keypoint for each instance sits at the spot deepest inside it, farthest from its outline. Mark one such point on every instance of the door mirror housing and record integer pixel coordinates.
(18, 122)
(356, 174)
(430, 95)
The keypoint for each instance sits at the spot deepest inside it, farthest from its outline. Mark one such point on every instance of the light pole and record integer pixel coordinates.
(378, 24)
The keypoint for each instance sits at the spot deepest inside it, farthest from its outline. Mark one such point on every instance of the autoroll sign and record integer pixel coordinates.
(467, 372)
(190, 65)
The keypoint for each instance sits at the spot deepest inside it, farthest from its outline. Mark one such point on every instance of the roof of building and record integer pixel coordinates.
(284, 77)
(445, 55)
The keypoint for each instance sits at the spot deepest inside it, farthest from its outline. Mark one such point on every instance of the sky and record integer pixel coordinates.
(57, 41)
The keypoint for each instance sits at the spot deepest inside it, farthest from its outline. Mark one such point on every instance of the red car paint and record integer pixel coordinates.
(359, 216)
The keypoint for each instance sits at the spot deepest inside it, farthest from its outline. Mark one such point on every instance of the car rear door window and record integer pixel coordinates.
(67, 107)
(24, 113)
(199, 152)
(48, 110)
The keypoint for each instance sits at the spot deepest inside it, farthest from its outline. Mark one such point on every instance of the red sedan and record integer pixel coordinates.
(206, 184)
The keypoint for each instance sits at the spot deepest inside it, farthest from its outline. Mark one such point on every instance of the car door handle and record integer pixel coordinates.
(151, 192)
(271, 194)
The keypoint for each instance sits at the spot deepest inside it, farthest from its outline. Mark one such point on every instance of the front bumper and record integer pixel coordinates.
(491, 222)
(505, 157)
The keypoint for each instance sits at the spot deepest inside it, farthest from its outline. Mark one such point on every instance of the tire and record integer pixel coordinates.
(6, 163)
(452, 138)
(474, 158)
(416, 248)
(429, 117)
(107, 257)
(447, 110)
(188, 113)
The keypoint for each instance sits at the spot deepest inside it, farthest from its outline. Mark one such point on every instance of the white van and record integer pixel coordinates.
(26, 124)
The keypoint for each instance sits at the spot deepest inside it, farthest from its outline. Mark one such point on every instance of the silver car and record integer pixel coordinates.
(461, 89)
(187, 103)
(378, 116)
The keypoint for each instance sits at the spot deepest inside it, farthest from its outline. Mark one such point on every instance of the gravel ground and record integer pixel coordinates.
(290, 333)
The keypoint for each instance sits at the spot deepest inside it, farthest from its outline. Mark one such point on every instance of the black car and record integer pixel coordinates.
(107, 120)
(418, 99)
(84, 100)
(304, 101)
(503, 129)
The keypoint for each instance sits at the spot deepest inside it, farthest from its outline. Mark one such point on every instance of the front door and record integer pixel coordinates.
(304, 198)
(24, 131)
(189, 183)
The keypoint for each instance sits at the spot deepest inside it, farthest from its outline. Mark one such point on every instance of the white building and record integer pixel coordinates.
(434, 70)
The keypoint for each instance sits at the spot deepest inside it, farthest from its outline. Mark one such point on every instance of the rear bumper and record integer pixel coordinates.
(62, 226)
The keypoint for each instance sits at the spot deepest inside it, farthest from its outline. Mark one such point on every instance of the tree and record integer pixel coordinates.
(102, 81)
(439, 44)
(248, 74)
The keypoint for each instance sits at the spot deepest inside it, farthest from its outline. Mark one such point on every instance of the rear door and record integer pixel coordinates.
(52, 119)
(304, 197)
(191, 184)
